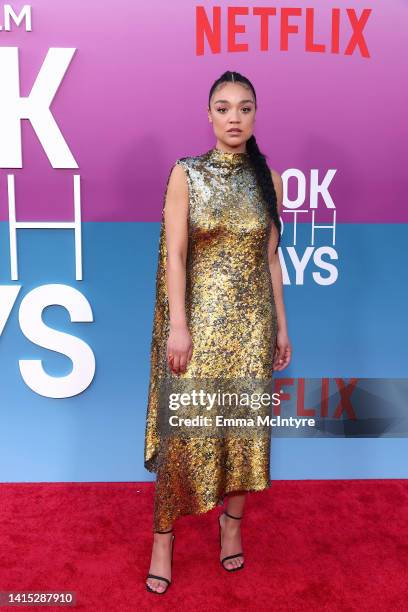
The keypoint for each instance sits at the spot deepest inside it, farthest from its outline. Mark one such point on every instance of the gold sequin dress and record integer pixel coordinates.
(231, 316)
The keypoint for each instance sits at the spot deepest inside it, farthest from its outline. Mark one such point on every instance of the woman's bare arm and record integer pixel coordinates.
(176, 224)
(284, 349)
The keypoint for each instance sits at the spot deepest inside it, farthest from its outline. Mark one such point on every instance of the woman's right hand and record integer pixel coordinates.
(179, 348)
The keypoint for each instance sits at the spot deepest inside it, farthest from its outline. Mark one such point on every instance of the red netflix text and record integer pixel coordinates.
(220, 29)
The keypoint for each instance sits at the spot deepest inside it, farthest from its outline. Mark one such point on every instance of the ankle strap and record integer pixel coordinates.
(234, 517)
(169, 531)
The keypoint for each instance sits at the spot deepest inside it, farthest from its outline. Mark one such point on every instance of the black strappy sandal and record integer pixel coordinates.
(240, 554)
(162, 577)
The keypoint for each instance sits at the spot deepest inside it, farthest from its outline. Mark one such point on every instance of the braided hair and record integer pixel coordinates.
(257, 159)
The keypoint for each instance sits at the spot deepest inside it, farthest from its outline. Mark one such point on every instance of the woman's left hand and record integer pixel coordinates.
(283, 352)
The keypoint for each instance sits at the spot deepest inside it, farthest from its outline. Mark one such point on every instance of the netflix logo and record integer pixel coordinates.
(220, 30)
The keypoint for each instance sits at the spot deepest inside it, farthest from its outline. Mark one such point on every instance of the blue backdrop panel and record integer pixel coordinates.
(352, 328)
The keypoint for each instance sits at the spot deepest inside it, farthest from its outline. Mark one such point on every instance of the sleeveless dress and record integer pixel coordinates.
(231, 316)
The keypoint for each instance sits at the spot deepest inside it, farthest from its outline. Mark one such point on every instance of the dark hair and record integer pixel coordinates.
(257, 159)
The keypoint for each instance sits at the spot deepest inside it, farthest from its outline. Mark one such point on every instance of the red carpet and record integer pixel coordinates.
(309, 545)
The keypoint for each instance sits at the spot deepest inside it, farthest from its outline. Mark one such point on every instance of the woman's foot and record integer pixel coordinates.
(231, 541)
(160, 563)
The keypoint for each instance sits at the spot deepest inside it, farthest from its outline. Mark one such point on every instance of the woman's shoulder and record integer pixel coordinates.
(276, 177)
(278, 184)
(189, 161)
(193, 161)
(182, 168)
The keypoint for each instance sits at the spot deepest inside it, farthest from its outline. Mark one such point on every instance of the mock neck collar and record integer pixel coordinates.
(228, 158)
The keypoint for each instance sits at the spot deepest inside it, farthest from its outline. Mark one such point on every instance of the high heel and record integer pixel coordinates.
(162, 577)
(240, 554)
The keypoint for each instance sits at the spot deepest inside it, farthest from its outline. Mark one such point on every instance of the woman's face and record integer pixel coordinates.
(232, 107)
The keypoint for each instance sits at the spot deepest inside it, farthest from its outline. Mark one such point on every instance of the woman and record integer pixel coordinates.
(219, 316)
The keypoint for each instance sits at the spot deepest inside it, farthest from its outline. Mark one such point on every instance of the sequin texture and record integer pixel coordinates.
(231, 316)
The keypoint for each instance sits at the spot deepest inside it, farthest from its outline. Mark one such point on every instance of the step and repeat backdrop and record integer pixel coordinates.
(97, 101)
